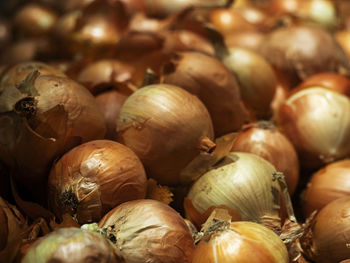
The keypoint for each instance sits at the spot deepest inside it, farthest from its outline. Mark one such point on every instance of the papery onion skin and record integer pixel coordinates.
(264, 140)
(93, 178)
(164, 125)
(214, 85)
(241, 242)
(71, 245)
(328, 184)
(317, 122)
(148, 231)
(241, 182)
(326, 240)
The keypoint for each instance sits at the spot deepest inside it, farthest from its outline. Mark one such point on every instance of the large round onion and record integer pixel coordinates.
(214, 85)
(166, 127)
(317, 121)
(93, 178)
(148, 231)
(71, 245)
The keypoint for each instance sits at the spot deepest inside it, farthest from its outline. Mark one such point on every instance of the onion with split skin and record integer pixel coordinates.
(93, 178)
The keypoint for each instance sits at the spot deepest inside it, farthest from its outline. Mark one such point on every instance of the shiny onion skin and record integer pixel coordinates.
(242, 182)
(93, 178)
(148, 231)
(214, 85)
(326, 240)
(251, 40)
(328, 184)
(317, 122)
(166, 127)
(264, 140)
(302, 51)
(240, 242)
(68, 245)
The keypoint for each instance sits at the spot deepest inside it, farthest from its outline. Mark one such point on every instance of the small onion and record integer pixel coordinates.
(93, 178)
(326, 240)
(166, 127)
(317, 121)
(329, 183)
(148, 231)
(264, 140)
(71, 245)
(240, 242)
(214, 85)
(242, 182)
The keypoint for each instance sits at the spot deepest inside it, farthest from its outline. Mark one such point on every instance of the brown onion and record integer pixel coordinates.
(148, 231)
(5, 33)
(328, 184)
(343, 38)
(245, 39)
(326, 240)
(71, 245)
(264, 140)
(281, 95)
(44, 117)
(302, 51)
(93, 178)
(214, 85)
(317, 121)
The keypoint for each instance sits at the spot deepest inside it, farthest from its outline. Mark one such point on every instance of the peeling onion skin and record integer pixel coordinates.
(70, 245)
(164, 124)
(213, 83)
(327, 238)
(329, 183)
(93, 178)
(264, 140)
(241, 242)
(317, 122)
(148, 231)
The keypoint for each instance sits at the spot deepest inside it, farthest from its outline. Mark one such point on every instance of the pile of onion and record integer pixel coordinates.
(93, 178)
(148, 231)
(166, 127)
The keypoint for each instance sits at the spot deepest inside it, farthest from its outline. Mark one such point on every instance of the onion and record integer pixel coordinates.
(343, 38)
(71, 245)
(166, 127)
(302, 51)
(148, 231)
(110, 103)
(317, 121)
(264, 140)
(5, 33)
(41, 118)
(256, 78)
(242, 182)
(214, 85)
(251, 40)
(12, 224)
(93, 178)
(281, 95)
(328, 184)
(327, 237)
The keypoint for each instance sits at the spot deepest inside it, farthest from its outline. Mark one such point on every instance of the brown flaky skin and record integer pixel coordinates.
(329, 183)
(164, 125)
(148, 231)
(213, 83)
(326, 240)
(93, 178)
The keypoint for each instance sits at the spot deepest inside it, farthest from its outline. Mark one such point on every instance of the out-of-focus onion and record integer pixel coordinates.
(93, 178)
(41, 118)
(110, 103)
(302, 51)
(326, 240)
(166, 127)
(264, 140)
(242, 182)
(148, 231)
(343, 38)
(214, 85)
(71, 245)
(251, 40)
(12, 224)
(5, 33)
(317, 121)
(256, 79)
(328, 184)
